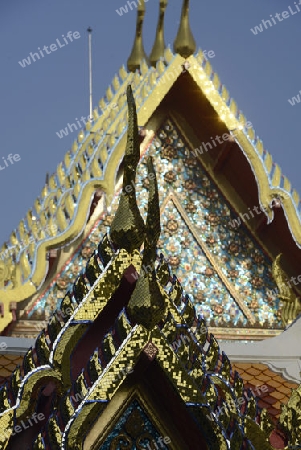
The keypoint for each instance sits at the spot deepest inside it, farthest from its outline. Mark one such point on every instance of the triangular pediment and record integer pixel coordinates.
(223, 268)
(94, 158)
(121, 322)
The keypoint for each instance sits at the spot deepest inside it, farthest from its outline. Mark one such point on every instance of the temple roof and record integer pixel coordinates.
(230, 290)
(279, 389)
(59, 214)
(90, 162)
(128, 330)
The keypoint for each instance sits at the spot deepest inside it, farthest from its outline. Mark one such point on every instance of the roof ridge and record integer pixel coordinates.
(201, 375)
(56, 209)
(277, 185)
(91, 156)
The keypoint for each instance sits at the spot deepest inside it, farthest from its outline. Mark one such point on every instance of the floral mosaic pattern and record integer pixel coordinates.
(133, 430)
(194, 271)
(236, 252)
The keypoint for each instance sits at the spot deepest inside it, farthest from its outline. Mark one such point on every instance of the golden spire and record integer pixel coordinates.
(159, 45)
(153, 228)
(184, 43)
(127, 228)
(147, 304)
(138, 54)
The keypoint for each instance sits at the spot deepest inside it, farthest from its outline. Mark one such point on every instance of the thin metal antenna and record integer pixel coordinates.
(90, 70)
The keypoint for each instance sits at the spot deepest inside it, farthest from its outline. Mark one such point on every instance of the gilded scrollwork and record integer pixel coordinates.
(121, 442)
(291, 303)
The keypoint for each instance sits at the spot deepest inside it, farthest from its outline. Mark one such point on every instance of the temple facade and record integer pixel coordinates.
(150, 298)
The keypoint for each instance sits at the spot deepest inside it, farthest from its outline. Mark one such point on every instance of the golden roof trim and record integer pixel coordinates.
(149, 92)
(109, 121)
(187, 381)
(269, 189)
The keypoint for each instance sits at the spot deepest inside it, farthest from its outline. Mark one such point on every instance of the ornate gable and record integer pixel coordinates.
(124, 341)
(63, 213)
(225, 270)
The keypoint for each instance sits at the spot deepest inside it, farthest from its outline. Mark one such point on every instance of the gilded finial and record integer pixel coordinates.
(184, 43)
(153, 218)
(159, 45)
(127, 228)
(147, 304)
(138, 53)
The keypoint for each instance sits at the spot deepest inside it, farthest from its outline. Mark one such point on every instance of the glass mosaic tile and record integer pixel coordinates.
(239, 256)
(134, 430)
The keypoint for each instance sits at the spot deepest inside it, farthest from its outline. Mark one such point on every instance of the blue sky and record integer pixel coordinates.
(261, 72)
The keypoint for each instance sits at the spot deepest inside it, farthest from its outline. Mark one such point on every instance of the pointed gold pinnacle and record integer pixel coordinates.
(184, 43)
(159, 45)
(127, 228)
(138, 54)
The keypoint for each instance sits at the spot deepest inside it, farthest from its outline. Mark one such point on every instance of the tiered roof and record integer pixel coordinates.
(60, 213)
(96, 347)
(121, 327)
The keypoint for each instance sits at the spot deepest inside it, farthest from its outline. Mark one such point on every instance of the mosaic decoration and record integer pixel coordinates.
(224, 412)
(236, 252)
(133, 430)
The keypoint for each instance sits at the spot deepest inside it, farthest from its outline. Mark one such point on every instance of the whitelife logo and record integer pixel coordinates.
(16, 158)
(7, 253)
(65, 132)
(53, 48)
(295, 100)
(285, 15)
(124, 9)
(84, 119)
(236, 404)
(18, 428)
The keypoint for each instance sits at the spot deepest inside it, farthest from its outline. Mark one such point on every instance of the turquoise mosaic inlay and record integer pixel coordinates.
(206, 219)
(134, 430)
